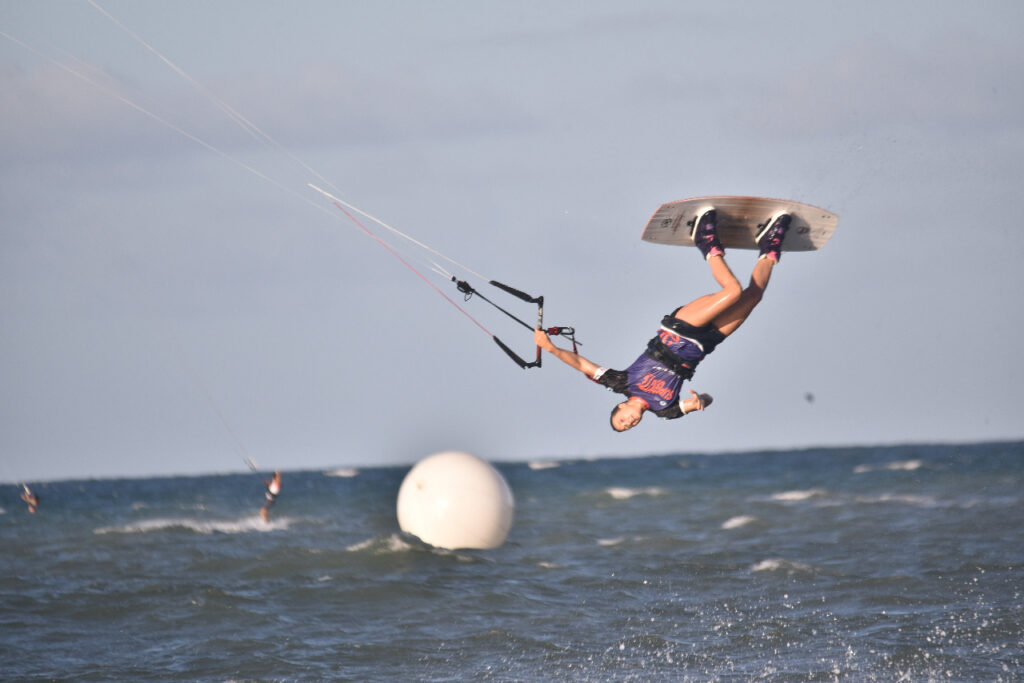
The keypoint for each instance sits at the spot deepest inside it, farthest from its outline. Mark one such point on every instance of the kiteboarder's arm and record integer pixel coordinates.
(573, 360)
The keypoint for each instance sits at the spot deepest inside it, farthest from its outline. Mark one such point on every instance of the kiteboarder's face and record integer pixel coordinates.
(627, 415)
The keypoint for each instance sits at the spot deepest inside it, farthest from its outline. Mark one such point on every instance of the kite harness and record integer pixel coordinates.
(567, 332)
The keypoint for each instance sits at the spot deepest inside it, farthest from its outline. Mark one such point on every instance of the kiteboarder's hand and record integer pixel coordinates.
(696, 402)
(540, 338)
(570, 358)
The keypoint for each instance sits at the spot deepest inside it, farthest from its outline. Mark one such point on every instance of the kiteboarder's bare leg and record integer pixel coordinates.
(770, 244)
(729, 307)
(705, 309)
(729, 320)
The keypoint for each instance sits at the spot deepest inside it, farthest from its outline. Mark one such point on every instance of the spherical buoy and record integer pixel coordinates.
(455, 500)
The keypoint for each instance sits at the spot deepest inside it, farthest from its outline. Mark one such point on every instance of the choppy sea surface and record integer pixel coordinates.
(865, 564)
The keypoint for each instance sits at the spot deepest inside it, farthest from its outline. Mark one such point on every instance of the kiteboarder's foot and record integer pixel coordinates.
(769, 240)
(704, 234)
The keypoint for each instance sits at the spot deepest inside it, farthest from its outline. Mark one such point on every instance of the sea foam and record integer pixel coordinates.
(623, 493)
(738, 521)
(896, 466)
(243, 525)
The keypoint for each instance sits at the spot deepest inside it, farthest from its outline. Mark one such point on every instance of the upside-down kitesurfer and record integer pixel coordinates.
(654, 381)
(31, 499)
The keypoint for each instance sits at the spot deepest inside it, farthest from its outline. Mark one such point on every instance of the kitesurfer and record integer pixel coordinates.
(31, 499)
(654, 381)
(273, 489)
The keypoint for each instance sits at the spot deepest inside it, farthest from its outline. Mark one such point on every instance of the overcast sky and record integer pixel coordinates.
(169, 307)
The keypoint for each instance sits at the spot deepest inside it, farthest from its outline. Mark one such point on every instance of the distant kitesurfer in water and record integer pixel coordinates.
(654, 381)
(273, 488)
(31, 499)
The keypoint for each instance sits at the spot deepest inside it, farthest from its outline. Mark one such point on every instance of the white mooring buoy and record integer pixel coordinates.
(456, 500)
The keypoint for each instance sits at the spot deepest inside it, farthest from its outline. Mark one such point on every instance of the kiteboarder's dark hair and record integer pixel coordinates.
(611, 419)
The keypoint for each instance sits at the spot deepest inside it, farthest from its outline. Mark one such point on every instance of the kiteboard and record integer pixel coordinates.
(739, 220)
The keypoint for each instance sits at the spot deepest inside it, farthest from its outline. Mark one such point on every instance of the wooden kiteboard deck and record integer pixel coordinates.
(739, 219)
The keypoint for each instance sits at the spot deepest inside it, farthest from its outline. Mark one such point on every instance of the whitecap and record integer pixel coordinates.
(610, 542)
(199, 526)
(398, 544)
(900, 498)
(797, 496)
(767, 565)
(401, 543)
(908, 465)
(773, 564)
(392, 543)
(362, 545)
(623, 493)
(342, 472)
(895, 466)
(543, 465)
(738, 521)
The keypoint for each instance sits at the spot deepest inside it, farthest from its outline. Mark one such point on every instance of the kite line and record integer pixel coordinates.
(349, 210)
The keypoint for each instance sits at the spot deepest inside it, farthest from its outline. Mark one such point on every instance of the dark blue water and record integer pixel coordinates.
(835, 564)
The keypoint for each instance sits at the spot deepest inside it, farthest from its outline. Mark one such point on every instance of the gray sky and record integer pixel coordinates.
(165, 310)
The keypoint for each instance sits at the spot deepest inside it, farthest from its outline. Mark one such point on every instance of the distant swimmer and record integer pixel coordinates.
(273, 489)
(31, 499)
(654, 381)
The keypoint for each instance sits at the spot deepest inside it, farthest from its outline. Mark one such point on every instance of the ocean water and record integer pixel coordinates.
(858, 564)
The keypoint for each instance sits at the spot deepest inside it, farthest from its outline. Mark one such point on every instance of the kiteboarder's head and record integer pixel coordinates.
(627, 414)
